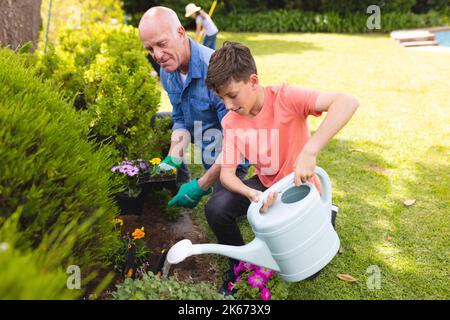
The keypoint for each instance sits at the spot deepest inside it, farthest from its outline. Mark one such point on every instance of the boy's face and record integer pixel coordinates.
(240, 97)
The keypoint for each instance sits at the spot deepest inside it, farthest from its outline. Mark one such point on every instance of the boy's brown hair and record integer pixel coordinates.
(231, 62)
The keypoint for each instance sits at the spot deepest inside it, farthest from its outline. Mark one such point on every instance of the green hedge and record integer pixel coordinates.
(48, 167)
(103, 69)
(299, 21)
(43, 272)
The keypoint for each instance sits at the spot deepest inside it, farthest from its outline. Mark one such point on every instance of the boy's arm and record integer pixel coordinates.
(340, 108)
(234, 184)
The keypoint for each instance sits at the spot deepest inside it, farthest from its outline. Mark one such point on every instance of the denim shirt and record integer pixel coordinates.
(194, 102)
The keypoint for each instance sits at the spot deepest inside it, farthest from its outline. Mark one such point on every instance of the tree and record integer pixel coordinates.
(19, 22)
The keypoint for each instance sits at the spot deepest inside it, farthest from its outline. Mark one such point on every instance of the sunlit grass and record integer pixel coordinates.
(395, 148)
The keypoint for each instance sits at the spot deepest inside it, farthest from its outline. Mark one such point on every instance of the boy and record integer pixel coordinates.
(268, 127)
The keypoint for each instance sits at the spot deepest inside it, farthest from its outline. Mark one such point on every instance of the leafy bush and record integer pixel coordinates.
(299, 21)
(103, 69)
(42, 272)
(152, 287)
(76, 14)
(48, 166)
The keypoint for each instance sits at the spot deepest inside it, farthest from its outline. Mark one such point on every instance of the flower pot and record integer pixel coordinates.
(129, 205)
(149, 183)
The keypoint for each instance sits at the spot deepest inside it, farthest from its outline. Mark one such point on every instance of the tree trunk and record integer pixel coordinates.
(19, 22)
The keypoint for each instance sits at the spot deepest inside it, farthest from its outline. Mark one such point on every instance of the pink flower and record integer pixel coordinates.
(248, 266)
(230, 286)
(238, 268)
(238, 279)
(267, 273)
(265, 294)
(256, 280)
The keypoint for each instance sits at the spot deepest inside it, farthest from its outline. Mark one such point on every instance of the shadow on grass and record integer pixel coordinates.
(267, 44)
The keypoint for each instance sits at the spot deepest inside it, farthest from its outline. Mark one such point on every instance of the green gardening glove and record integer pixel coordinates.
(170, 163)
(189, 195)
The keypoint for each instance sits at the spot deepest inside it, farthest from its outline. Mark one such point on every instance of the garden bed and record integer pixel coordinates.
(160, 234)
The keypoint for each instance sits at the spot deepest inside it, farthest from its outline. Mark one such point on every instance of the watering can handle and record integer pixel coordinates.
(326, 186)
(288, 181)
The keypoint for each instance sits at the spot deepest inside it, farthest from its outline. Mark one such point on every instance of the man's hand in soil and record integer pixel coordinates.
(170, 163)
(189, 195)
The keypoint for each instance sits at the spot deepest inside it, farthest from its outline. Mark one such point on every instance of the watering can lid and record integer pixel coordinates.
(281, 214)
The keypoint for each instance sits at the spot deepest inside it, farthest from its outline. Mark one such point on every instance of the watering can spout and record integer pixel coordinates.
(255, 252)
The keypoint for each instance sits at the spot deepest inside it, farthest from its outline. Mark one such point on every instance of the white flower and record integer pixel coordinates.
(4, 246)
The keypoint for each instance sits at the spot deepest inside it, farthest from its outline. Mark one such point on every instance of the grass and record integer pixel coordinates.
(395, 148)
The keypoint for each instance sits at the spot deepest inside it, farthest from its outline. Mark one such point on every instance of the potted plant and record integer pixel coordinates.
(137, 173)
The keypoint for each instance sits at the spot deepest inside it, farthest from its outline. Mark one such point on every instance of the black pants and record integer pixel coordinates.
(223, 209)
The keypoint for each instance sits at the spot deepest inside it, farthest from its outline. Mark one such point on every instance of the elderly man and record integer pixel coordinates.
(195, 108)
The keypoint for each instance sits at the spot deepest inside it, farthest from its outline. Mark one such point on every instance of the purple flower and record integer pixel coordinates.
(125, 168)
(267, 273)
(143, 165)
(127, 163)
(265, 294)
(256, 280)
(132, 171)
(115, 168)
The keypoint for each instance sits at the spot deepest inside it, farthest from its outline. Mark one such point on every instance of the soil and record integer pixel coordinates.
(161, 233)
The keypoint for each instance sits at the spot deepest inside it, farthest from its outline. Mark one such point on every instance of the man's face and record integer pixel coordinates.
(239, 97)
(165, 45)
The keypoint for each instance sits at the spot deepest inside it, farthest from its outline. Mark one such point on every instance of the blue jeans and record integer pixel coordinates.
(210, 41)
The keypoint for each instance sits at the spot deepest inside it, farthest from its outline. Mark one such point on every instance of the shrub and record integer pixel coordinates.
(48, 167)
(104, 71)
(300, 21)
(152, 287)
(41, 273)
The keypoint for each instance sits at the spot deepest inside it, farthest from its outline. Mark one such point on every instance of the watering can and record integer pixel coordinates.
(294, 237)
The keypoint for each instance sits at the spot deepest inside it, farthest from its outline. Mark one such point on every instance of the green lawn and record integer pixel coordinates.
(395, 148)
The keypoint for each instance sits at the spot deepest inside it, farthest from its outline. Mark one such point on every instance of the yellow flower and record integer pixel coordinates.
(138, 234)
(118, 221)
(174, 171)
(155, 161)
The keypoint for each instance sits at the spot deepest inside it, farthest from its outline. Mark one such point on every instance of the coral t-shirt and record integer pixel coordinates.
(272, 139)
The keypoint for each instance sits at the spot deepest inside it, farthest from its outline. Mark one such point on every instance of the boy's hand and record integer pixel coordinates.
(305, 167)
(270, 200)
(254, 195)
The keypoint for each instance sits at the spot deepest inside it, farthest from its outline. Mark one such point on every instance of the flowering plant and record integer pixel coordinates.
(255, 282)
(134, 169)
(120, 254)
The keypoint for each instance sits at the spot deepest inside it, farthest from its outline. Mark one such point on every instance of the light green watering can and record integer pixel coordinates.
(294, 237)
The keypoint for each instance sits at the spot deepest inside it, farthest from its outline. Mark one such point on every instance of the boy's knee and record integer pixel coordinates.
(215, 210)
